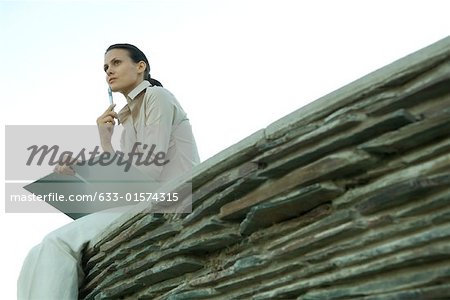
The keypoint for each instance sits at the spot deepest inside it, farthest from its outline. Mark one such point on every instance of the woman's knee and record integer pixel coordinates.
(59, 241)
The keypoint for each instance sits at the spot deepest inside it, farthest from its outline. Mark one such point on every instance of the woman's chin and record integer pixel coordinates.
(115, 89)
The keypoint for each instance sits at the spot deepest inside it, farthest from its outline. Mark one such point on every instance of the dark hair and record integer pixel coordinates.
(137, 55)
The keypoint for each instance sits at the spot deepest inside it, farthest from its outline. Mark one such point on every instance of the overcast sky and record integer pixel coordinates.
(235, 66)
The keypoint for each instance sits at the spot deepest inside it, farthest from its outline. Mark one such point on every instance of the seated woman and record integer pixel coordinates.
(152, 116)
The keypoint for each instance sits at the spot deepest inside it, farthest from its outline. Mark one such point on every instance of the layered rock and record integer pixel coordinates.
(348, 197)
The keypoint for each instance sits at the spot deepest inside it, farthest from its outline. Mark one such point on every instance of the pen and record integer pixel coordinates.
(110, 96)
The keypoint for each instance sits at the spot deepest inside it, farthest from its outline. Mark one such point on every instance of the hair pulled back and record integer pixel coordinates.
(136, 56)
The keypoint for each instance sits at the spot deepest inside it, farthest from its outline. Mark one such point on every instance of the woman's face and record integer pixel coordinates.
(122, 74)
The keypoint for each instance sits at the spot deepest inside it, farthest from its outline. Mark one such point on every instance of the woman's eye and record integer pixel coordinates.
(116, 62)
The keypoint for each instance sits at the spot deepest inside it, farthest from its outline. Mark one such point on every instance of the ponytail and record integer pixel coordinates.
(153, 81)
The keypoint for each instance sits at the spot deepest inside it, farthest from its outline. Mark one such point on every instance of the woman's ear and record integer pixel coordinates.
(141, 67)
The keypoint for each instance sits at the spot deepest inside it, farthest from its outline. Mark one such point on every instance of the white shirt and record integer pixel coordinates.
(158, 119)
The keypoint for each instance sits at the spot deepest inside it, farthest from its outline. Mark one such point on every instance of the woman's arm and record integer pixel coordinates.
(105, 124)
(159, 116)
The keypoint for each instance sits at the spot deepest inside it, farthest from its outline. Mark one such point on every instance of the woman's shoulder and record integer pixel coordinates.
(158, 92)
(157, 95)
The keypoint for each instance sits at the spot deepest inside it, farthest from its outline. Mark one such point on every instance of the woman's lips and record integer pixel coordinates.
(111, 80)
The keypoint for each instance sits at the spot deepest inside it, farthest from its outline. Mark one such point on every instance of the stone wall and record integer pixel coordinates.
(348, 197)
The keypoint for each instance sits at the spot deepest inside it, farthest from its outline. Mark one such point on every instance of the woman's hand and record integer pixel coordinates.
(105, 124)
(65, 166)
(64, 169)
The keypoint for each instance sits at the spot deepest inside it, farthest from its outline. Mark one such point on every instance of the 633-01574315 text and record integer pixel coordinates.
(97, 196)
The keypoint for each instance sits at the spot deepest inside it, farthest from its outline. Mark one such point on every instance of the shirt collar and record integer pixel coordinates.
(130, 97)
(138, 89)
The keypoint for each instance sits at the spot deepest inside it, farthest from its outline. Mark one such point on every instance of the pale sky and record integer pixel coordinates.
(235, 66)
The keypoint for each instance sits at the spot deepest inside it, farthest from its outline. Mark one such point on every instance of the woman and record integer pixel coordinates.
(152, 116)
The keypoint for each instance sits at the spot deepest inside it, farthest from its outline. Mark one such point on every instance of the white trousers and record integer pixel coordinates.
(52, 270)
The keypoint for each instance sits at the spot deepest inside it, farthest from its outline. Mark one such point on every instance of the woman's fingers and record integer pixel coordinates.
(64, 169)
(108, 119)
(110, 113)
(110, 108)
(108, 116)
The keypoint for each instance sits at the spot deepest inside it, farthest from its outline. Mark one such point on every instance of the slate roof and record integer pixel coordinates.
(347, 197)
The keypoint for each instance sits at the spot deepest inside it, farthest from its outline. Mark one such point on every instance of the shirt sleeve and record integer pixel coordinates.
(159, 115)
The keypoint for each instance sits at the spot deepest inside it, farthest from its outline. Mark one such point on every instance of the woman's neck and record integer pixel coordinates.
(127, 91)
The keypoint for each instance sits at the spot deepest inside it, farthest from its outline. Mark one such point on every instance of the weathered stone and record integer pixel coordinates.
(330, 221)
(212, 278)
(137, 263)
(171, 205)
(284, 273)
(273, 276)
(308, 153)
(291, 135)
(433, 108)
(96, 275)
(95, 259)
(152, 291)
(410, 136)
(246, 264)
(431, 204)
(390, 76)
(325, 286)
(340, 164)
(227, 159)
(141, 226)
(136, 212)
(393, 281)
(445, 217)
(416, 156)
(158, 234)
(118, 254)
(284, 228)
(401, 192)
(169, 269)
(440, 291)
(211, 241)
(319, 240)
(90, 296)
(112, 232)
(288, 206)
(207, 207)
(93, 280)
(213, 204)
(204, 226)
(427, 237)
(241, 281)
(109, 260)
(196, 294)
(320, 132)
(142, 261)
(426, 152)
(429, 84)
(118, 291)
(387, 235)
(357, 194)
(222, 181)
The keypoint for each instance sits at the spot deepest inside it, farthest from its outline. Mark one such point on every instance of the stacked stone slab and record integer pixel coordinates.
(348, 197)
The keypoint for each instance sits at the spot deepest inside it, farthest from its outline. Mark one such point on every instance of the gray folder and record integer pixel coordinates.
(100, 187)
